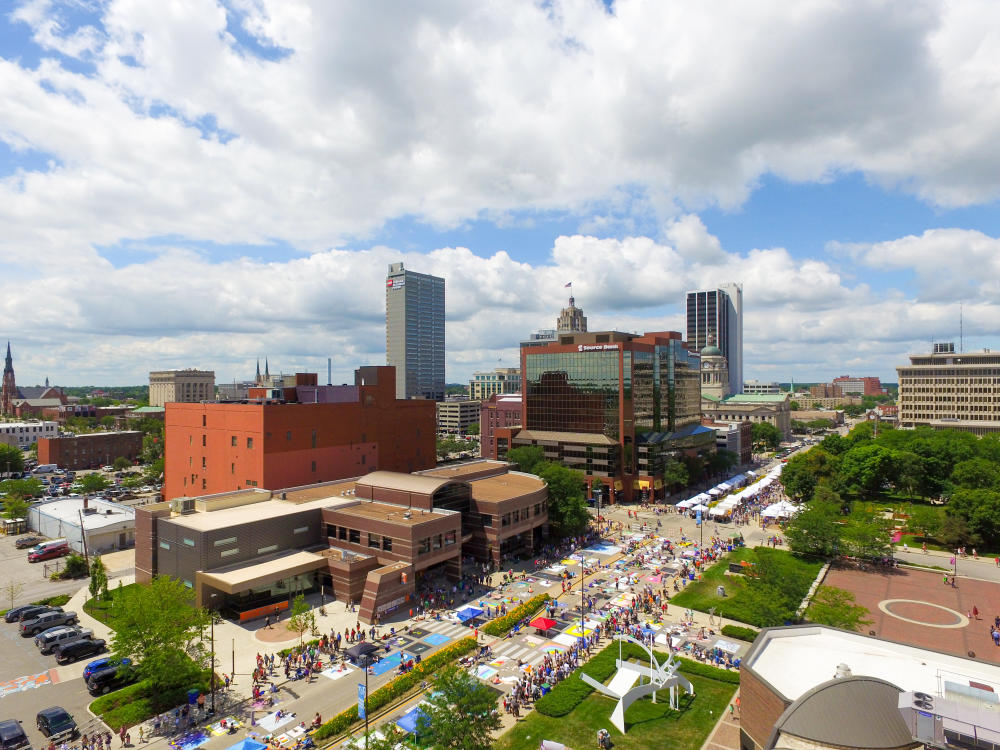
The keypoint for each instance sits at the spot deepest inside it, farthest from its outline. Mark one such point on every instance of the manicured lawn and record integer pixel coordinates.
(798, 573)
(648, 725)
(101, 609)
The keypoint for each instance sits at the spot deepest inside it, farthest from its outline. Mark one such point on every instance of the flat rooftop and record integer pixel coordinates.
(390, 513)
(255, 511)
(458, 471)
(67, 510)
(795, 659)
(505, 486)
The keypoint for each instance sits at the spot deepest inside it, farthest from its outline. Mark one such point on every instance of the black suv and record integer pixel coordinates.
(12, 737)
(111, 678)
(75, 650)
(55, 721)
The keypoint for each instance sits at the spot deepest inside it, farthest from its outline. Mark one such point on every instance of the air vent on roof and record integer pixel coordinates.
(923, 697)
(923, 705)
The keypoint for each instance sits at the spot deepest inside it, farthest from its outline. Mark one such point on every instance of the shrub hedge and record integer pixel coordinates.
(501, 625)
(53, 601)
(572, 691)
(286, 651)
(738, 631)
(398, 687)
(136, 703)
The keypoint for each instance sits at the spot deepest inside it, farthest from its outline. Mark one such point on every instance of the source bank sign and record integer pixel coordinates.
(597, 347)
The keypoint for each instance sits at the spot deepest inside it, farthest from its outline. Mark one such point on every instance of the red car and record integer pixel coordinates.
(48, 551)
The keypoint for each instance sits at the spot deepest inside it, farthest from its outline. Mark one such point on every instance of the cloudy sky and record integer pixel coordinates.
(195, 183)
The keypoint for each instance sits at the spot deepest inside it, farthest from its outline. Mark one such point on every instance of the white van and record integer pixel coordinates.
(45, 468)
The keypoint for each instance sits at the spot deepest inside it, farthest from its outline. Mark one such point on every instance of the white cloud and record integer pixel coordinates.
(450, 112)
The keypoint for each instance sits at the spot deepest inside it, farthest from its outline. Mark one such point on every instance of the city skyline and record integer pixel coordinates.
(198, 188)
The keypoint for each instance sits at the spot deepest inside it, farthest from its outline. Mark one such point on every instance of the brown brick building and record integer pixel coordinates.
(89, 451)
(366, 540)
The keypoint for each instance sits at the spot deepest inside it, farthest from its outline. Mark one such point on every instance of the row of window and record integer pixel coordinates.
(516, 516)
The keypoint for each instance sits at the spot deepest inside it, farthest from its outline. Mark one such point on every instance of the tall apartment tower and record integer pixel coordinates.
(719, 313)
(414, 332)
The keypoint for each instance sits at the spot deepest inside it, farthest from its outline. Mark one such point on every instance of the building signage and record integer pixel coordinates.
(389, 606)
(596, 347)
(395, 283)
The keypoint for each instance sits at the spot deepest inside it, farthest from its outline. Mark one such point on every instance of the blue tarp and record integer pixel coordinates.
(408, 721)
(469, 613)
(248, 744)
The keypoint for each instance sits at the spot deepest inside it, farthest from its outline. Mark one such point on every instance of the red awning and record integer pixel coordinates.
(542, 623)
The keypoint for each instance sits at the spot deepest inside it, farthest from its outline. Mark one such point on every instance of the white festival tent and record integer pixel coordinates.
(715, 491)
(687, 503)
(696, 508)
(782, 509)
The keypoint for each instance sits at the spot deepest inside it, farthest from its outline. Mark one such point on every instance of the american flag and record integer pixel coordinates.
(569, 284)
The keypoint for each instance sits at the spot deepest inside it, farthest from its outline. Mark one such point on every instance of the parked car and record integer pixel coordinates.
(34, 610)
(12, 736)
(112, 678)
(47, 640)
(28, 541)
(49, 550)
(56, 721)
(106, 662)
(76, 650)
(46, 621)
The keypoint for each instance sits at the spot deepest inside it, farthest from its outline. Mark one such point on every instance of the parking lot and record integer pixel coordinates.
(30, 682)
(15, 568)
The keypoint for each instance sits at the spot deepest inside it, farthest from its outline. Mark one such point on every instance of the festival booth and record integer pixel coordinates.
(783, 509)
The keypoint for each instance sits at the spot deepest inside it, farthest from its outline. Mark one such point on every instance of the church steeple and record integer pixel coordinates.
(9, 389)
(267, 370)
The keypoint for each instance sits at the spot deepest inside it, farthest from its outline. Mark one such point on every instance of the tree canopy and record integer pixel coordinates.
(94, 482)
(11, 459)
(526, 458)
(765, 436)
(567, 507)
(460, 713)
(837, 608)
(159, 629)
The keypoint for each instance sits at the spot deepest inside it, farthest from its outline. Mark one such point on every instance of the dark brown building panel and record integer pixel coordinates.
(89, 451)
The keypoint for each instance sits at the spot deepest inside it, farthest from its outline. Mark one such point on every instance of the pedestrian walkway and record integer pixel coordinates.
(726, 733)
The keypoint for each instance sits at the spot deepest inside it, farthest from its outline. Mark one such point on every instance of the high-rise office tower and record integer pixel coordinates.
(414, 332)
(719, 313)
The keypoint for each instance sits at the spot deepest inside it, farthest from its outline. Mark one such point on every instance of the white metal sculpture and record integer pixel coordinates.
(623, 688)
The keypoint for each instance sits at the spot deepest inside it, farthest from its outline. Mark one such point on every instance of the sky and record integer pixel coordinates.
(202, 184)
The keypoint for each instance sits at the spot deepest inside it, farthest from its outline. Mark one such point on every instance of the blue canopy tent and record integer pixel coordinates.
(469, 613)
(248, 744)
(408, 721)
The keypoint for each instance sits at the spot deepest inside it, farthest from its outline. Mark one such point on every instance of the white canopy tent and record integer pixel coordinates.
(715, 491)
(696, 508)
(782, 509)
(687, 503)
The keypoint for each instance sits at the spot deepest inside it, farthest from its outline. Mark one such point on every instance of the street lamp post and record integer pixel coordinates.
(366, 661)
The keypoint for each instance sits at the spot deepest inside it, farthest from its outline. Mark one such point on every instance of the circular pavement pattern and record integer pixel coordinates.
(923, 613)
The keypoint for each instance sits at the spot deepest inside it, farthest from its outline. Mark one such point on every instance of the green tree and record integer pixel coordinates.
(153, 472)
(834, 444)
(819, 424)
(955, 532)
(851, 410)
(94, 482)
(771, 588)
(301, 618)
(867, 534)
(121, 463)
(805, 471)
(11, 459)
(837, 608)
(976, 473)
(909, 470)
(923, 520)
(98, 578)
(460, 713)
(527, 458)
(867, 469)
(74, 566)
(159, 629)
(765, 436)
(794, 405)
(567, 507)
(22, 488)
(473, 429)
(152, 448)
(722, 461)
(15, 506)
(980, 509)
(815, 530)
(675, 474)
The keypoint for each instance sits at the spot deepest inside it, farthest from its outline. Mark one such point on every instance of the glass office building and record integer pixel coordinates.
(590, 399)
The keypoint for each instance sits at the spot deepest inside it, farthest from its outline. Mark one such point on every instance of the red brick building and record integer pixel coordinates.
(865, 386)
(89, 451)
(296, 436)
(498, 412)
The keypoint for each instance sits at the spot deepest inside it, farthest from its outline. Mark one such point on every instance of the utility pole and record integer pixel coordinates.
(83, 539)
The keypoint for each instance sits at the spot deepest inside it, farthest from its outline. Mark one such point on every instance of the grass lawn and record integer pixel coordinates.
(701, 595)
(100, 610)
(648, 725)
